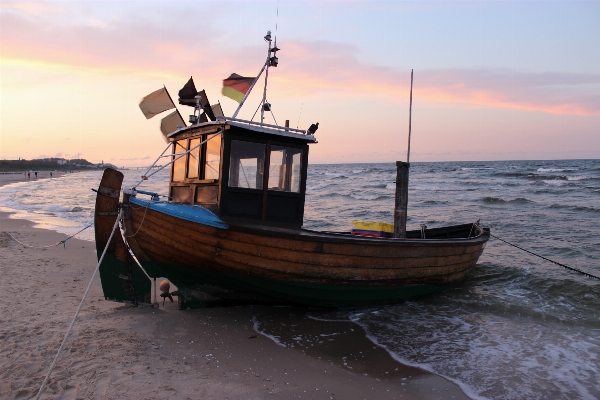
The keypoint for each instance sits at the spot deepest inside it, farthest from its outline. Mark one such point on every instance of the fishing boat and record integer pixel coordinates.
(230, 230)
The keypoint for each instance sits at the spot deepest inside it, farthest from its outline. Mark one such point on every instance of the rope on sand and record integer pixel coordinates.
(547, 259)
(63, 242)
(79, 308)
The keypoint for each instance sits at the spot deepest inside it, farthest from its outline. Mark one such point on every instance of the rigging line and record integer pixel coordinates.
(63, 242)
(256, 111)
(122, 226)
(175, 159)
(245, 177)
(80, 305)
(213, 168)
(274, 117)
(547, 259)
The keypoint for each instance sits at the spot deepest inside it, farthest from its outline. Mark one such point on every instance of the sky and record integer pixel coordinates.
(492, 80)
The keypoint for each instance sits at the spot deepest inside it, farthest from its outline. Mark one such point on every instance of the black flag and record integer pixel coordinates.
(188, 93)
(187, 97)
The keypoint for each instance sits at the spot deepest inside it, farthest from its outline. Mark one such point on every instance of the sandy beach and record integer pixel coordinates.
(117, 351)
(10, 177)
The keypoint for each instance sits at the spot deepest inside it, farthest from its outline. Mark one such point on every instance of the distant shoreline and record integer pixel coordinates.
(12, 177)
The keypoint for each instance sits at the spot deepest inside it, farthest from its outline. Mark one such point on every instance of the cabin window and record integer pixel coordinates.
(247, 166)
(285, 168)
(194, 159)
(179, 165)
(213, 158)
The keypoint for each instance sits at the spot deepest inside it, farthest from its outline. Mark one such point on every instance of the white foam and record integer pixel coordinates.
(489, 354)
(555, 182)
(274, 338)
(56, 208)
(557, 169)
(365, 197)
(317, 187)
(578, 178)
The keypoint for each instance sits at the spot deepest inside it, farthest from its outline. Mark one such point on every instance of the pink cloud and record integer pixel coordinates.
(307, 68)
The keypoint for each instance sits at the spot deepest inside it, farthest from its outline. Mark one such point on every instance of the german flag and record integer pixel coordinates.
(235, 87)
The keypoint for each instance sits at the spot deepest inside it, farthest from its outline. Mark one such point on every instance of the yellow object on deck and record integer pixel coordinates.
(373, 226)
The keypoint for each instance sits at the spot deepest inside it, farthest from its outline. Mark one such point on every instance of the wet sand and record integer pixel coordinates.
(117, 351)
(9, 177)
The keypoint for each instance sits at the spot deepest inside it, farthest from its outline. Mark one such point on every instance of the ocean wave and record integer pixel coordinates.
(441, 189)
(501, 200)
(366, 197)
(475, 168)
(56, 208)
(335, 175)
(556, 182)
(557, 169)
(357, 171)
(317, 187)
(515, 174)
(579, 178)
(390, 186)
(575, 208)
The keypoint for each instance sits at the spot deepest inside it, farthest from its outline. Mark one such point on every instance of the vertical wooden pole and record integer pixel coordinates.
(401, 200)
(409, 117)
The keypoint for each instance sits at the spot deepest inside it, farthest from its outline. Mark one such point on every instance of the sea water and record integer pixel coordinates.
(518, 327)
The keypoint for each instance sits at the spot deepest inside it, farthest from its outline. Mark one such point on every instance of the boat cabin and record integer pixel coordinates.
(246, 172)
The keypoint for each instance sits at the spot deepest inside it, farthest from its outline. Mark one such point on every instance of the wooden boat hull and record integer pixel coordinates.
(295, 265)
(214, 263)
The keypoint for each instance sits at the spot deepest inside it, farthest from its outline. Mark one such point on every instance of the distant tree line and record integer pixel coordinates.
(45, 165)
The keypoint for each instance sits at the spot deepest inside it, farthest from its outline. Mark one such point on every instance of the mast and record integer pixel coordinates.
(271, 61)
(401, 196)
(264, 99)
(409, 117)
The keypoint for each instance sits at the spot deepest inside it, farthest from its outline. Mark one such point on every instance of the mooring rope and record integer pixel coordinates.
(63, 242)
(547, 259)
(143, 218)
(80, 305)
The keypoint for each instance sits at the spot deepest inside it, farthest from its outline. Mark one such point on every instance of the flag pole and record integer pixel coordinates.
(409, 116)
(176, 109)
(249, 90)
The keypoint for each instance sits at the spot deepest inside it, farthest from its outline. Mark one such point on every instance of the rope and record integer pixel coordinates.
(547, 259)
(143, 218)
(63, 242)
(145, 177)
(79, 308)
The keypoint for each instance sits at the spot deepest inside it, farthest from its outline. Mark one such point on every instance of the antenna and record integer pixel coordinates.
(299, 115)
(409, 116)
(276, 20)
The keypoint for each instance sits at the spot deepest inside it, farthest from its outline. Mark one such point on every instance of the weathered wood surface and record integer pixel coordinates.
(401, 199)
(107, 206)
(314, 258)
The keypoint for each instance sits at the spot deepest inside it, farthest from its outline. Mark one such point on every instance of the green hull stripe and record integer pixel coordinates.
(323, 295)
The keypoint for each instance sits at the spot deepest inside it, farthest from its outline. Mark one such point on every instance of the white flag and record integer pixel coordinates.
(170, 123)
(156, 102)
(217, 110)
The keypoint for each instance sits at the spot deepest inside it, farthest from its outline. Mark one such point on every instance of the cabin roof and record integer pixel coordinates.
(254, 126)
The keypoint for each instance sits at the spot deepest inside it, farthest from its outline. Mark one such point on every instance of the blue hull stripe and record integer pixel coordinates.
(192, 213)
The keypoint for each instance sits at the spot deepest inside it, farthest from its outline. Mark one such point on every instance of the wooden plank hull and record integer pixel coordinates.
(296, 265)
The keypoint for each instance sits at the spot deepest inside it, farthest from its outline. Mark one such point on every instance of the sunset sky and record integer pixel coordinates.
(492, 80)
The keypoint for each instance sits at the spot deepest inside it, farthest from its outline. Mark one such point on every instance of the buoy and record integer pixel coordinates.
(164, 287)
